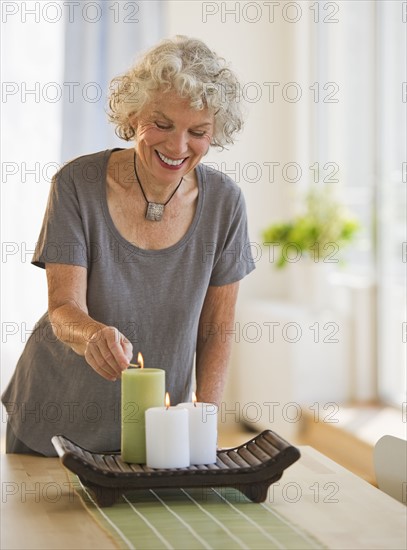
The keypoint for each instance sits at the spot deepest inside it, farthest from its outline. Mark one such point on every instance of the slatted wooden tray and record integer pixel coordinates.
(251, 468)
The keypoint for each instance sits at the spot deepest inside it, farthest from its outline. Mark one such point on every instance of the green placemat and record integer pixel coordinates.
(211, 518)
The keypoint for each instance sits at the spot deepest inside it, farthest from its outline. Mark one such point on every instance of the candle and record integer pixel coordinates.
(167, 437)
(203, 431)
(142, 388)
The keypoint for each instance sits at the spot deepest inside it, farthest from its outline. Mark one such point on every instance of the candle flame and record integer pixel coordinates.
(194, 398)
(167, 400)
(140, 360)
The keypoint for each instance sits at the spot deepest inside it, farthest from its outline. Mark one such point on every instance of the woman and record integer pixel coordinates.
(143, 248)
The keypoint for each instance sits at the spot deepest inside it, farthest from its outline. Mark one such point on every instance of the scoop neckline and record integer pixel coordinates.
(116, 233)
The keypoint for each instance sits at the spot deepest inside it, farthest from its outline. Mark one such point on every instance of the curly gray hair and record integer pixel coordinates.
(189, 67)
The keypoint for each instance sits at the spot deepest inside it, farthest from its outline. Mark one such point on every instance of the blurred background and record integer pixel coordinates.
(319, 349)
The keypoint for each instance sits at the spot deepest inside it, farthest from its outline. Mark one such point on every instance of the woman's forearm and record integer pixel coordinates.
(73, 326)
(212, 359)
(104, 348)
(215, 342)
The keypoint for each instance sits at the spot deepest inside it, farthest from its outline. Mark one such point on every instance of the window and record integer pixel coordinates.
(363, 58)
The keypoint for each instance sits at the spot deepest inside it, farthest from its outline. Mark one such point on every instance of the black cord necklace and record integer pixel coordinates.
(155, 210)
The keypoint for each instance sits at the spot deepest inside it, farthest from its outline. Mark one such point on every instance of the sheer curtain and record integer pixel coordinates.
(57, 60)
(95, 52)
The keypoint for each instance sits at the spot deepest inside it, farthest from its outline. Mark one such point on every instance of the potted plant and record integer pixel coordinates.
(310, 244)
(319, 232)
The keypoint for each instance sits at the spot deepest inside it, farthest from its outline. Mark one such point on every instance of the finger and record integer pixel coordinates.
(127, 348)
(95, 360)
(102, 341)
(115, 340)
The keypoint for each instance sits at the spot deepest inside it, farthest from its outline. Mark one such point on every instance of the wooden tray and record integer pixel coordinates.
(251, 468)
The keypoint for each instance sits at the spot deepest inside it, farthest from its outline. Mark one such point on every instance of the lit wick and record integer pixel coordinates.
(194, 399)
(167, 401)
(139, 364)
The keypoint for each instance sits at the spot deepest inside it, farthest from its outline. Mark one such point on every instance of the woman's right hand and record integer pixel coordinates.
(105, 349)
(108, 352)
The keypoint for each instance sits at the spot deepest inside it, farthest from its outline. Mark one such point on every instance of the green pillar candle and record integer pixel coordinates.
(142, 388)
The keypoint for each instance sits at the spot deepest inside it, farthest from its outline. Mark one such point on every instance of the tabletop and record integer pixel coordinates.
(40, 508)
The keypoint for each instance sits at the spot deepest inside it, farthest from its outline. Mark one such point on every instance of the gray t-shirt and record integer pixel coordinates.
(154, 297)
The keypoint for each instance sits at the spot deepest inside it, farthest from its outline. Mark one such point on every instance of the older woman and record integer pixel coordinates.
(143, 248)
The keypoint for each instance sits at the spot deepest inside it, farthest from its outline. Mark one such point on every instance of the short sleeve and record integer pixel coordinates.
(234, 260)
(62, 238)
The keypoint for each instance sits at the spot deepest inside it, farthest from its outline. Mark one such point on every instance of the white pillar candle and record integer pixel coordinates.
(203, 431)
(167, 437)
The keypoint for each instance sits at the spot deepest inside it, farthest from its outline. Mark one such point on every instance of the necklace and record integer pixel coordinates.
(155, 210)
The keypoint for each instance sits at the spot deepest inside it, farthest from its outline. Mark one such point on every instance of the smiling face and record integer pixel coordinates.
(171, 138)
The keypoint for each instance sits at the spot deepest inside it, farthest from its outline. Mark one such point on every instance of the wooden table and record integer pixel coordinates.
(41, 510)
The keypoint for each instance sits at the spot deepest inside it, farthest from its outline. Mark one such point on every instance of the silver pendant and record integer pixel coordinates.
(155, 211)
